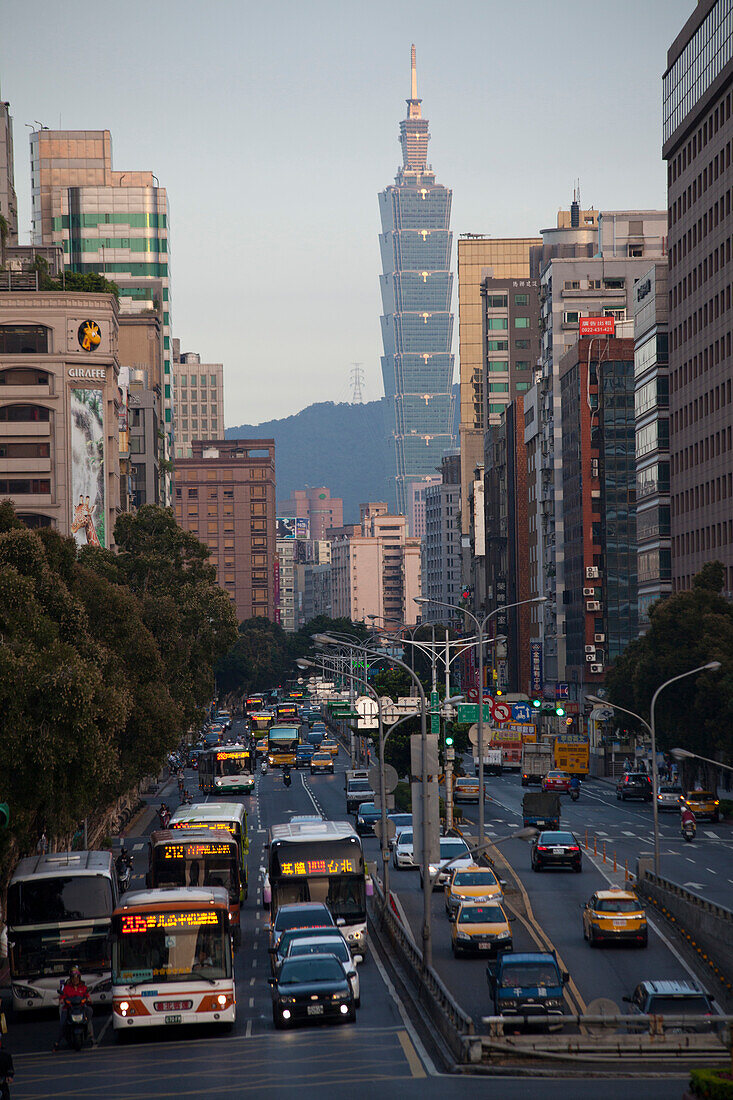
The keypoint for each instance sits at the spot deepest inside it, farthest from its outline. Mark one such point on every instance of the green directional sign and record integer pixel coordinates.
(468, 712)
(434, 712)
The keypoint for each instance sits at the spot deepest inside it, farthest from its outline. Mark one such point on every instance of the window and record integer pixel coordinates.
(25, 450)
(521, 299)
(213, 379)
(497, 345)
(23, 414)
(23, 376)
(523, 364)
(499, 387)
(521, 322)
(496, 301)
(523, 345)
(24, 486)
(570, 317)
(521, 386)
(614, 284)
(496, 323)
(501, 365)
(497, 408)
(23, 339)
(193, 494)
(571, 284)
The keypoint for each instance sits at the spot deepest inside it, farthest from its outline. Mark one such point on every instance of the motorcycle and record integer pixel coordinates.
(287, 779)
(124, 877)
(186, 798)
(689, 829)
(263, 767)
(574, 794)
(164, 816)
(75, 1031)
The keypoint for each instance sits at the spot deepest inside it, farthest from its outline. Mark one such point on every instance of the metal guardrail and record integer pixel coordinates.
(711, 907)
(453, 1024)
(605, 1038)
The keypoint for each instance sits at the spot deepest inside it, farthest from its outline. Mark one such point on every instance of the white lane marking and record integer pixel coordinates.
(99, 1037)
(307, 790)
(248, 1030)
(422, 1053)
(599, 833)
(625, 833)
(252, 981)
(708, 833)
(139, 847)
(251, 1002)
(711, 871)
(254, 963)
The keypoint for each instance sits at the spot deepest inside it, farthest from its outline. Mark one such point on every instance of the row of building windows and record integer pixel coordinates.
(704, 538)
(703, 406)
(717, 259)
(700, 496)
(24, 486)
(705, 315)
(697, 67)
(705, 360)
(702, 451)
(714, 262)
(695, 190)
(705, 133)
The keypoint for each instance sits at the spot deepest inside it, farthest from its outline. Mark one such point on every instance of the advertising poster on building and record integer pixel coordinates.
(292, 527)
(535, 667)
(86, 416)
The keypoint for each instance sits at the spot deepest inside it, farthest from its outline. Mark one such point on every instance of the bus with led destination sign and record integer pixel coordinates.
(320, 861)
(230, 816)
(172, 959)
(202, 857)
(282, 741)
(287, 712)
(226, 770)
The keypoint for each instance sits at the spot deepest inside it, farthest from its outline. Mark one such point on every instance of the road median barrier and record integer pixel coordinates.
(707, 927)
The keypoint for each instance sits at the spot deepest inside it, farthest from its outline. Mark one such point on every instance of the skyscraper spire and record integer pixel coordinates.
(413, 103)
(414, 74)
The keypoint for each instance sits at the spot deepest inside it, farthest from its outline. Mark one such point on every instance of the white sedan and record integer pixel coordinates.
(454, 856)
(402, 854)
(330, 945)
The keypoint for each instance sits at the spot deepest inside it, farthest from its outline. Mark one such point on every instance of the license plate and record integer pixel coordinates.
(484, 946)
(619, 924)
(315, 1010)
(173, 1019)
(558, 851)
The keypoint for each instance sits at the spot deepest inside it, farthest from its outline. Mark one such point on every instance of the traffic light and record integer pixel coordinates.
(449, 739)
(499, 692)
(560, 711)
(568, 721)
(466, 594)
(4, 815)
(536, 703)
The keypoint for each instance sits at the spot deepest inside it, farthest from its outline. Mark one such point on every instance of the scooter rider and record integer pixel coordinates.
(124, 860)
(574, 786)
(688, 820)
(286, 775)
(75, 987)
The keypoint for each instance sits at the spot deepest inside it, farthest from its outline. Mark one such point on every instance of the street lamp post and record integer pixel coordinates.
(480, 627)
(712, 666)
(685, 754)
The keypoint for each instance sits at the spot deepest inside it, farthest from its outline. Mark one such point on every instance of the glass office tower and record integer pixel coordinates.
(417, 324)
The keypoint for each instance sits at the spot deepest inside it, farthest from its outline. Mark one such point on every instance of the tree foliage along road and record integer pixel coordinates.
(686, 630)
(105, 661)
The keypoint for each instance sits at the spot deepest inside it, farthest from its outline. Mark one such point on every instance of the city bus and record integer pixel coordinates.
(226, 769)
(260, 722)
(59, 915)
(172, 959)
(282, 741)
(322, 861)
(287, 712)
(200, 857)
(218, 815)
(253, 703)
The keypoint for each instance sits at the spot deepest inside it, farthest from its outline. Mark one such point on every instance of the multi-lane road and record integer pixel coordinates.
(385, 1049)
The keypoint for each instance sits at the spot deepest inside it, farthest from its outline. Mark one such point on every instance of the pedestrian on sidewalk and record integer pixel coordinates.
(7, 1072)
(42, 845)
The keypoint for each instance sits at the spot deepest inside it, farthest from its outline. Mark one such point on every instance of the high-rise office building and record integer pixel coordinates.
(651, 381)
(441, 542)
(697, 124)
(317, 506)
(8, 200)
(417, 323)
(198, 393)
(113, 223)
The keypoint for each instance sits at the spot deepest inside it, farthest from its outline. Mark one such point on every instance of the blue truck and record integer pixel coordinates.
(528, 987)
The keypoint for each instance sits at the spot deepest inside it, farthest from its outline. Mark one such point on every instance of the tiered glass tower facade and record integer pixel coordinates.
(417, 324)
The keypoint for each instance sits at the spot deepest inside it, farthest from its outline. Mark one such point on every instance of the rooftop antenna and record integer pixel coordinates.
(414, 73)
(357, 381)
(575, 206)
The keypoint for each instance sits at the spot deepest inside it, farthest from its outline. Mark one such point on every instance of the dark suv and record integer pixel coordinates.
(674, 998)
(634, 785)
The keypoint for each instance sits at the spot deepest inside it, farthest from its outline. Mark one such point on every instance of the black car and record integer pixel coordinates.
(634, 785)
(556, 849)
(675, 998)
(277, 954)
(311, 987)
(366, 817)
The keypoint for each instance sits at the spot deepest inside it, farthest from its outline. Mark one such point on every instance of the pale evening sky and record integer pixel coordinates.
(273, 126)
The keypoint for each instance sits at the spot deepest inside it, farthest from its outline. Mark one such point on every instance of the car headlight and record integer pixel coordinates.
(26, 992)
(462, 936)
(432, 869)
(503, 935)
(287, 1000)
(339, 996)
(360, 820)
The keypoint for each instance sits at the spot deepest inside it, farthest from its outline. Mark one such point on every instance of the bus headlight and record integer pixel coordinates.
(124, 1006)
(222, 999)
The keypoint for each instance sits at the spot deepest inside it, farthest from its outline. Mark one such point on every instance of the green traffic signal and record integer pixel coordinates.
(4, 815)
(449, 740)
(560, 712)
(536, 703)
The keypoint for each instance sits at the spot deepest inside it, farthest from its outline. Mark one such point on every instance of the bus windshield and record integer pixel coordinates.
(59, 898)
(232, 763)
(54, 950)
(170, 946)
(345, 895)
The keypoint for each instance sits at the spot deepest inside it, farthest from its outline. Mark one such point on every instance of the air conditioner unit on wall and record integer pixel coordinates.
(592, 572)
(599, 637)
(593, 605)
(596, 668)
(591, 656)
(589, 591)
(590, 649)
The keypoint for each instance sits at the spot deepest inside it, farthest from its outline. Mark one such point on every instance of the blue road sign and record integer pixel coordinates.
(522, 712)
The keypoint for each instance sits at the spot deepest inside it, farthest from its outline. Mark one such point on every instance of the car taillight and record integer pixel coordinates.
(573, 848)
(542, 848)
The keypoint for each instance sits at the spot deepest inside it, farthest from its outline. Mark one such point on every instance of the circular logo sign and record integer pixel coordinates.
(89, 335)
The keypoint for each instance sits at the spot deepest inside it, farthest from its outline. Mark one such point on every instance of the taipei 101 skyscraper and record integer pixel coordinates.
(417, 324)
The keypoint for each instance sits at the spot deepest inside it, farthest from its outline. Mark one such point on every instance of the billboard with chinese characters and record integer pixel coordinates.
(596, 326)
(535, 667)
(293, 527)
(88, 496)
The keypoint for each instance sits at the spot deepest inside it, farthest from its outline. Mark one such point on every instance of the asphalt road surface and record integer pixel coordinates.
(381, 1051)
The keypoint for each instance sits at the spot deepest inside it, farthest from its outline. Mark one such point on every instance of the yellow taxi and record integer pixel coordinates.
(481, 925)
(321, 762)
(261, 746)
(469, 883)
(329, 746)
(702, 804)
(465, 789)
(613, 916)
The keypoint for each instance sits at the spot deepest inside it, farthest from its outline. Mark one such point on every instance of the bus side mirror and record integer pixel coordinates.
(340, 921)
(267, 895)
(369, 888)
